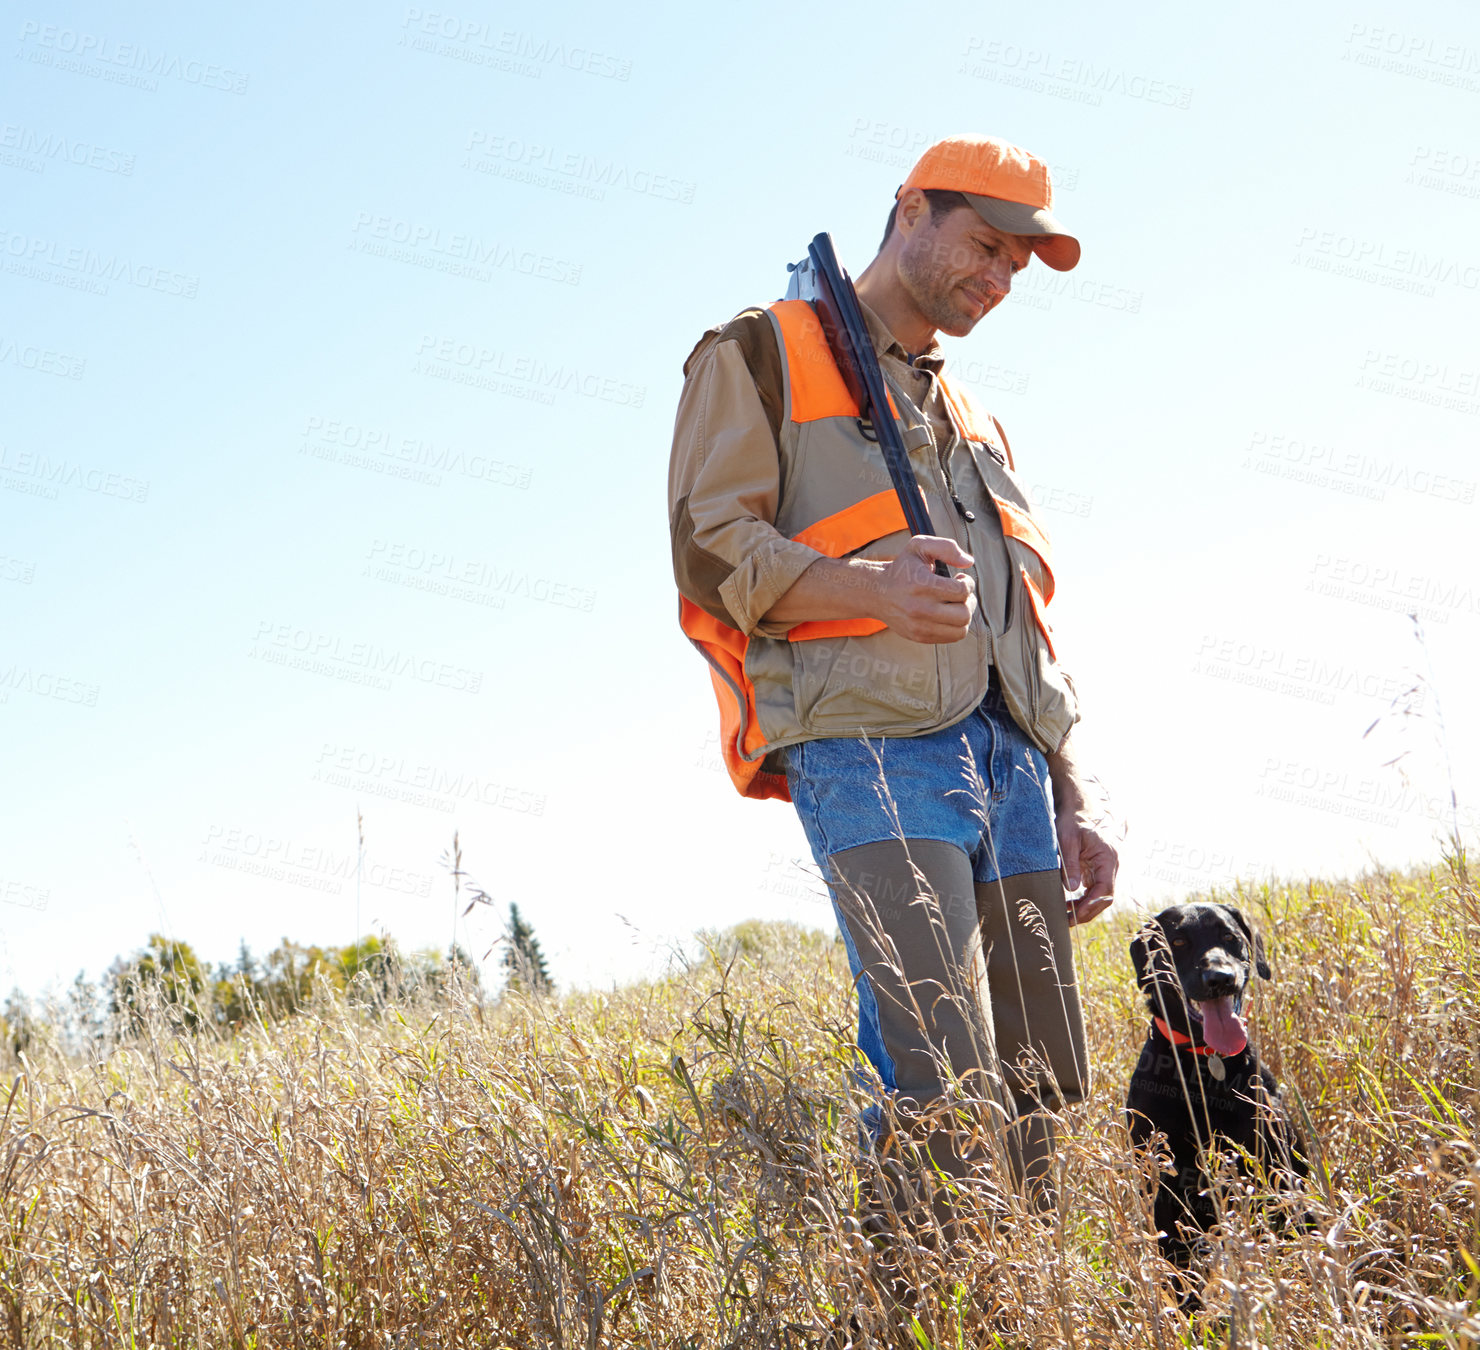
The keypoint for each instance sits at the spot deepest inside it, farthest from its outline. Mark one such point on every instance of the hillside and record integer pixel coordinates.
(672, 1164)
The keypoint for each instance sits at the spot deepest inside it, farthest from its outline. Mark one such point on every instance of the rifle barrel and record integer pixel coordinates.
(843, 324)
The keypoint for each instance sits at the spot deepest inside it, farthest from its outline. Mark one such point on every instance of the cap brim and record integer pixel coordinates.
(1045, 235)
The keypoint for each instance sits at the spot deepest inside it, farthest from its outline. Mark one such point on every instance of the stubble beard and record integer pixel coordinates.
(932, 286)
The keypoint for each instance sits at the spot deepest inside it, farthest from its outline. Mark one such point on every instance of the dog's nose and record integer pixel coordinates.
(1218, 980)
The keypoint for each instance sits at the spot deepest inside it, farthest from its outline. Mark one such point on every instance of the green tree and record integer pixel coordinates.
(523, 961)
(369, 958)
(166, 971)
(289, 972)
(439, 974)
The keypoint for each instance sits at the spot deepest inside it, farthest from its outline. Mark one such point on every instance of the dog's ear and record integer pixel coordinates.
(1256, 941)
(1141, 950)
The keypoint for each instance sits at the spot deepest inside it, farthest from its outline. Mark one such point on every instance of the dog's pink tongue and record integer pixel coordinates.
(1222, 1027)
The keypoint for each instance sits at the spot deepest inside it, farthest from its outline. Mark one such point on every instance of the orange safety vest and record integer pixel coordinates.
(816, 390)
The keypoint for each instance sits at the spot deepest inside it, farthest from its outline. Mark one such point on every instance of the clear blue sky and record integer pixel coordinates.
(338, 358)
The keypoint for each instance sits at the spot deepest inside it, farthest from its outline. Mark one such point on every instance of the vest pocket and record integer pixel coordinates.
(880, 681)
(1038, 694)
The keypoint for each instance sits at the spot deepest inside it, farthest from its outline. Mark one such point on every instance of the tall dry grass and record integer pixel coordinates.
(674, 1164)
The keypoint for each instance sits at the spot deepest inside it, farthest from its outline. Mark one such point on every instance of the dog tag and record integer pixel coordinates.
(1215, 1067)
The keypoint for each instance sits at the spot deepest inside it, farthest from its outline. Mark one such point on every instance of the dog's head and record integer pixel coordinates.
(1194, 963)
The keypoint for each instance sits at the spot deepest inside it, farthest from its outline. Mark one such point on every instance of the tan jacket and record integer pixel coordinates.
(771, 470)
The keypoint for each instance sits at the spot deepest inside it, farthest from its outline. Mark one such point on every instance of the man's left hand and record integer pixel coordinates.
(1090, 860)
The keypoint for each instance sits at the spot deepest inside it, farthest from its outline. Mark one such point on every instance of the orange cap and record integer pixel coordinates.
(1010, 189)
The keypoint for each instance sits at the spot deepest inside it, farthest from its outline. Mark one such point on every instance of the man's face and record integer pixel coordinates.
(958, 270)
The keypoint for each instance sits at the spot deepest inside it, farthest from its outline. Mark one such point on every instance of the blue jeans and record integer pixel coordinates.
(980, 784)
(980, 787)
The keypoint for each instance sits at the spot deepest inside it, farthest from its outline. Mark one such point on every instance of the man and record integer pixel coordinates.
(916, 721)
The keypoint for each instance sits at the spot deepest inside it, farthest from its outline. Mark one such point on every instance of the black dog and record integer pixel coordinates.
(1198, 1079)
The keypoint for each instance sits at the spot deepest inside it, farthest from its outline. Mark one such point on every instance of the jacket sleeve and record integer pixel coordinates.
(723, 485)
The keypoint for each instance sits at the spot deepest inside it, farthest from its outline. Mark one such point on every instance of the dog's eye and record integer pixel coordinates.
(1179, 942)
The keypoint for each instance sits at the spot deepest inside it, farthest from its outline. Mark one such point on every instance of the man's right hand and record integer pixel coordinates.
(921, 606)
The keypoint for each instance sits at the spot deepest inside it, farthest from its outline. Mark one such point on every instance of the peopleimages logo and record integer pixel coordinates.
(1382, 264)
(456, 252)
(1391, 587)
(92, 53)
(1338, 792)
(1350, 471)
(1043, 284)
(42, 360)
(90, 270)
(45, 474)
(887, 142)
(1436, 374)
(46, 684)
(1422, 380)
(1303, 675)
(1195, 866)
(1076, 81)
(480, 43)
(308, 865)
(518, 374)
(570, 171)
(1445, 171)
(419, 782)
(25, 141)
(1417, 55)
(20, 570)
(357, 662)
(431, 569)
(411, 458)
(24, 896)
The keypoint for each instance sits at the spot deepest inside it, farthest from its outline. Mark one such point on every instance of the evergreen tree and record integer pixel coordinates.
(87, 1015)
(236, 988)
(18, 1023)
(523, 959)
(246, 965)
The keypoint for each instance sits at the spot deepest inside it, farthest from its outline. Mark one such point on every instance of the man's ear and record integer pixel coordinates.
(1261, 962)
(912, 211)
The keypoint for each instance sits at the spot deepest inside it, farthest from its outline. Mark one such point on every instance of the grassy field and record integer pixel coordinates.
(673, 1164)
